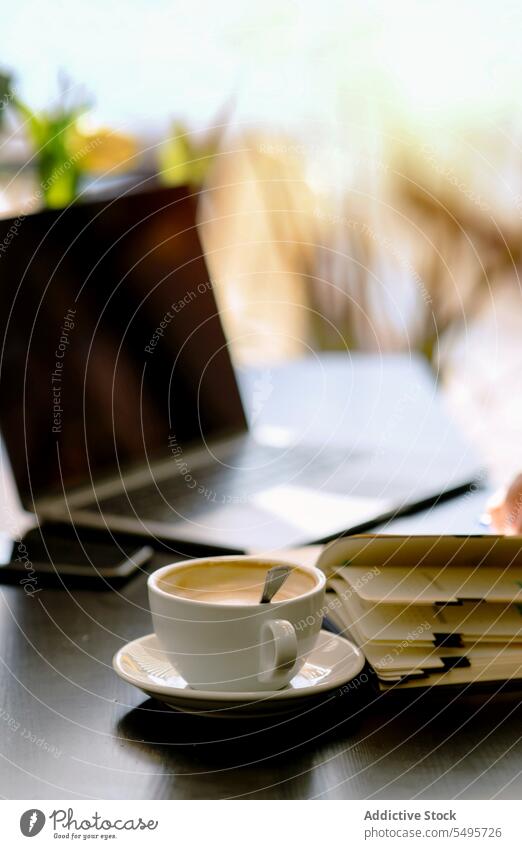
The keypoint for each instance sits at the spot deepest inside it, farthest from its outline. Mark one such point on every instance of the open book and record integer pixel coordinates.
(429, 610)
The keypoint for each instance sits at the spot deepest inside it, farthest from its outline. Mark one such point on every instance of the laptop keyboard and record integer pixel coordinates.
(246, 473)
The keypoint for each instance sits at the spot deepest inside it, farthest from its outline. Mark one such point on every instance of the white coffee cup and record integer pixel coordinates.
(210, 623)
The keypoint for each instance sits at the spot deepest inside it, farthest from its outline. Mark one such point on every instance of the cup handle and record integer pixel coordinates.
(278, 652)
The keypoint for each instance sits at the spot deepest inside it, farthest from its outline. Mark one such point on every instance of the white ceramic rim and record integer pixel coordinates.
(154, 577)
(250, 696)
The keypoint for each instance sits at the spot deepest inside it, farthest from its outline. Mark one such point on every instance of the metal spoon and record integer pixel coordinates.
(275, 578)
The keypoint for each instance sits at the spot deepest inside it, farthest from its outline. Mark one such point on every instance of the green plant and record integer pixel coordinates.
(184, 161)
(54, 135)
(6, 94)
(185, 158)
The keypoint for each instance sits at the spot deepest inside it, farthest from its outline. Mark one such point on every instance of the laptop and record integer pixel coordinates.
(120, 406)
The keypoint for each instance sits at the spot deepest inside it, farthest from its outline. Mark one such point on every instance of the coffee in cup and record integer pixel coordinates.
(211, 624)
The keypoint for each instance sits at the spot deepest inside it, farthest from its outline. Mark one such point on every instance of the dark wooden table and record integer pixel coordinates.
(69, 728)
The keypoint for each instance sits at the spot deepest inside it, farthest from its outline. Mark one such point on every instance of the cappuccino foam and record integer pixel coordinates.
(232, 582)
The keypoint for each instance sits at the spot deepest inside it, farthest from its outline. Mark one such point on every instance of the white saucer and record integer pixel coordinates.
(333, 663)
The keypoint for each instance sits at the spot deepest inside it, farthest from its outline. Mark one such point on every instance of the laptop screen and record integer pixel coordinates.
(112, 349)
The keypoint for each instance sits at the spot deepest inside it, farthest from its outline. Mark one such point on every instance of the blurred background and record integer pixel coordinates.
(358, 167)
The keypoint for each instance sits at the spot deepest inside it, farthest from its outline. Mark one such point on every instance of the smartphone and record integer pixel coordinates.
(57, 554)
